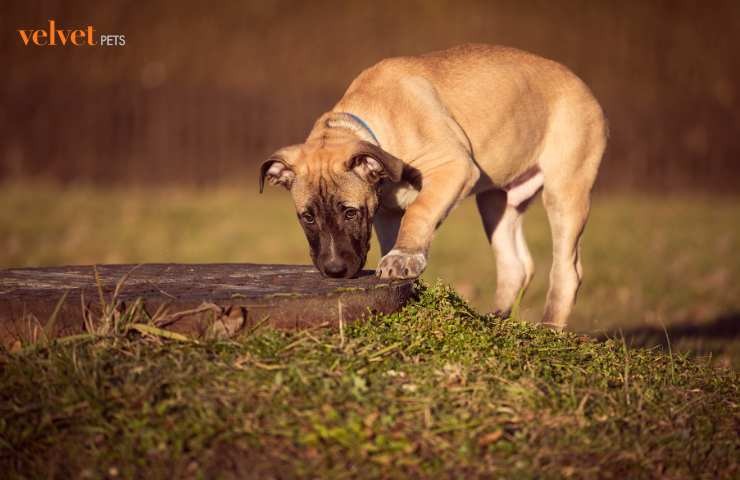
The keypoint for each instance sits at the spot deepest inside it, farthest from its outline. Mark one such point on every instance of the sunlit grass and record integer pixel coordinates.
(435, 390)
(649, 260)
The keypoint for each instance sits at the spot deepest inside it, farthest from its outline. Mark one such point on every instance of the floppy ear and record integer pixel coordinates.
(277, 169)
(372, 163)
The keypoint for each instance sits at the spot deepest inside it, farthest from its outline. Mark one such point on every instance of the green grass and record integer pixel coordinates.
(433, 390)
(650, 260)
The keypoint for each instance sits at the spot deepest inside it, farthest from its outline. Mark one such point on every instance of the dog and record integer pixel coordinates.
(413, 136)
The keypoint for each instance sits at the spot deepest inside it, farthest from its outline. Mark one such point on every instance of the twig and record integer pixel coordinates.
(159, 332)
(172, 318)
(341, 323)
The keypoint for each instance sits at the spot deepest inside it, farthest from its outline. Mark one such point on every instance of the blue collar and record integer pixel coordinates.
(367, 127)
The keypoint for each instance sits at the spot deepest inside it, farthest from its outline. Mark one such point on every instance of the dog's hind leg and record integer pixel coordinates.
(502, 222)
(567, 200)
(567, 213)
(569, 162)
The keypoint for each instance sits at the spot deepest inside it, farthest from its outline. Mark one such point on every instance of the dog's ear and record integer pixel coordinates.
(372, 163)
(277, 169)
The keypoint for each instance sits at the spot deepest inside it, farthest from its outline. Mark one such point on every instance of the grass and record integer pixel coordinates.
(651, 261)
(436, 389)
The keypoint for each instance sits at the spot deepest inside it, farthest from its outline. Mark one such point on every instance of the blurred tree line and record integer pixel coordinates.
(203, 91)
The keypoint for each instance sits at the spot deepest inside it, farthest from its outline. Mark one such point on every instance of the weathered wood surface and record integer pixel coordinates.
(196, 300)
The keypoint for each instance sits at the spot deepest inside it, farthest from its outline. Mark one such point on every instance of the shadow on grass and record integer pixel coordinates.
(715, 336)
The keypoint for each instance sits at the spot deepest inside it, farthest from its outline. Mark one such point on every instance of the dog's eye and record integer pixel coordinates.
(307, 217)
(350, 213)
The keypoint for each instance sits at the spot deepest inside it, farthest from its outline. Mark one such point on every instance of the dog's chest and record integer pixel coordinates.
(397, 196)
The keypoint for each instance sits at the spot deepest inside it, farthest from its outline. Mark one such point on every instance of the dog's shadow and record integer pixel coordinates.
(711, 337)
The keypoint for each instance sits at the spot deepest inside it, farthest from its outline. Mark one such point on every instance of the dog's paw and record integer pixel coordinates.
(399, 264)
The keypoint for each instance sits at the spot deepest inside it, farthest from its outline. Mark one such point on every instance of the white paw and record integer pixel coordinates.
(399, 264)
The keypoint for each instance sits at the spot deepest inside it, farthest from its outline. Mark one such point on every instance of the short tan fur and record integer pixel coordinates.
(413, 136)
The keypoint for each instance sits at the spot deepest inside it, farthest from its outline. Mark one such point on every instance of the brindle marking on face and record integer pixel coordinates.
(338, 228)
(338, 234)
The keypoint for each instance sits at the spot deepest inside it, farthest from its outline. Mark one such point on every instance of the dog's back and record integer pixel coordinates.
(510, 104)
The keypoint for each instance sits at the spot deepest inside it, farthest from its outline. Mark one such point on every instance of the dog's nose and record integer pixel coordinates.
(335, 268)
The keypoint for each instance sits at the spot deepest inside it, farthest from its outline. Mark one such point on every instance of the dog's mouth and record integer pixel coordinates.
(339, 255)
(340, 268)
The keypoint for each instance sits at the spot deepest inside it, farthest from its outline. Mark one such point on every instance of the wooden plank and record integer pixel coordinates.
(197, 300)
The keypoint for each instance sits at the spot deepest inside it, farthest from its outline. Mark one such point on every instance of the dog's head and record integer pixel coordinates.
(334, 188)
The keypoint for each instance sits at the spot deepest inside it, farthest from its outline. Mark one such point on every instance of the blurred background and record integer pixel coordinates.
(148, 152)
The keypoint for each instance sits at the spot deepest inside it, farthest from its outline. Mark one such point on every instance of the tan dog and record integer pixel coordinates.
(413, 136)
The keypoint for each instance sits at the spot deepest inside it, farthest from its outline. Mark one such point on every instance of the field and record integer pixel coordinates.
(650, 261)
(435, 390)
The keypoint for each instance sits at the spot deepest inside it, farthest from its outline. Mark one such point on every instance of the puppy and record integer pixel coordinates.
(413, 136)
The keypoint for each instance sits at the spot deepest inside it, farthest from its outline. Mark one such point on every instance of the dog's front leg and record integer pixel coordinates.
(442, 189)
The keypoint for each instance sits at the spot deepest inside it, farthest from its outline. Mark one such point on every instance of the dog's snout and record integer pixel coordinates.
(335, 268)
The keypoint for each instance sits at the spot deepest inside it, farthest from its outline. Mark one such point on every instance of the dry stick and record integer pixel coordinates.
(341, 323)
(159, 332)
(172, 318)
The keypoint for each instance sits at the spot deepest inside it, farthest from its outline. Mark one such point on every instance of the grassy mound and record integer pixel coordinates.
(433, 390)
